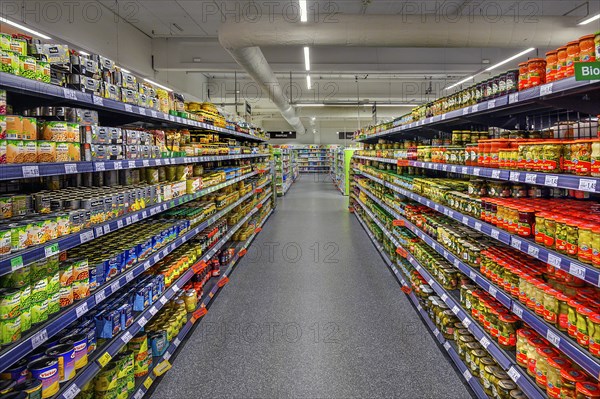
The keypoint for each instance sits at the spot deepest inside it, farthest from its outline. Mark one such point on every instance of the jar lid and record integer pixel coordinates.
(559, 362)
(507, 385)
(525, 333)
(588, 389)
(552, 52)
(587, 37)
(573, 375)
(574, 42)
(584, 310)
(508, 318)
(536, 342)
(547, 352)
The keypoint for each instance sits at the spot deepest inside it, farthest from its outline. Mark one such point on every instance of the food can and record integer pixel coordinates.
(65, 355)
(10, 330)
(46, 370)
(33, 388)
(139, 346)
(10, 303)
(15, 395)
(107, 378)
(7, 386)
(17, 372)
(79, 342)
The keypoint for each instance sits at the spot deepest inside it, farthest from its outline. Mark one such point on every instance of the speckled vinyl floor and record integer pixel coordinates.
(311, 312)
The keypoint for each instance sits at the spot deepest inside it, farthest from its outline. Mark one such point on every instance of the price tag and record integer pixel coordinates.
(71, 392)
(436, 332)
(577, 271)
(119, 224)
(450, 213)
(99, 231)
(153, 113)
(153, 310)
(515, 243)
(513, 98)
(114, 287)
(86, 236)
(533, 251)
(70, 168)
(472, 275)
(443, 117)
(551, 181)
(104, 359)
(98, 100)
(495, 174)
(444, 297)
(455, 310)
(475, 108)
(142, 321)
(145, 163)
(129, 277)
(117, 165)
(476, 171)
(477, 226)
(99, 166)
(16, 263)
(493, 291)
(69, 94)
(514, 374)
(546, 89)
(81, 309)
(100, 296)
(39, 338)
(148, 382)
(30, 171)
(447, 346)
(167, 355)
(530, 178)
(495, 234)
(517, 310)
(128, 108)
(52, 250)
(491, 104)
(106, 229)
(484, 342)
(587, 185)
(162, 300)
(553, 260)
(142, 111)
(467, 374)
(126, 337)
(139, 394)
(467, 323)
(176, 342)
(465, 111)
(553, 338)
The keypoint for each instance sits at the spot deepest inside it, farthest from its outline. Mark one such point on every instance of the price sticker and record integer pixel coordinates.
(139, 394)
(142, 111)
(514, 176)
(129, 277)
(465, 111)
(145, 163)
(39, 338)
(126, 337)
(577, 271)
(467, 374)
(70, 168)
(447, 346)
(71, 392)
(153, 310)
(450, 213)
(475, 108)
(455, 310)
(69, 94)
(30, 171)
(546, 89)
(52, 250)
(176, 342)
(551, 181)
(553, 338)
(517, 310)
(98, 100)
(16, 263)
(467, 323)
(131, 164)
(100, 296)
(106, 229)
(491, 104)
(142, 321)
(514, 374)
(587, 185)
(436, 332)
(553, 260)
(495, 174)
(167, 355)
(86, 236)
(99, 166)
(465, 220)
(515, 243)
(128, 108)
(477, 226)
(99, 231)
(117, 166)
(472, 275)
(513, 98)
(495, 233)
(484, 342)
(104, 359)
(444, 297)
(153, 113)
(530, 178)
(162, 300)
(119, 224)
(493, 291)
(148, 382)
(81, 309)
(476, 171)
(443, 117)
(445, 168)
(533, 251)
(114, 287)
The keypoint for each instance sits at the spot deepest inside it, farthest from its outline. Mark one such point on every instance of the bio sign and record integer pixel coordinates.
(587, 71)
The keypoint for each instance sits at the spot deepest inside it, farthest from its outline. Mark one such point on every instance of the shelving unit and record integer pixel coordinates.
(342, 160)
(313, 159)
(284, 174)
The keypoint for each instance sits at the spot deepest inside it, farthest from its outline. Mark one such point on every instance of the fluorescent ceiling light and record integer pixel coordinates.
(307, 58)
(590, 19)
(303, 10)
(26, 29)
(125, 70)
(156, 84)
(397, 105)
(461, 82)
(308, 83)
(310, 105)
(84, 53)
(511, 58)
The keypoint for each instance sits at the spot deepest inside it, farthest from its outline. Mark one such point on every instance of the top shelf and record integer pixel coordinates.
(563, 94)
(33, 88)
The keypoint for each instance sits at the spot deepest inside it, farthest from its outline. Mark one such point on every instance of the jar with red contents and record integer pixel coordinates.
(536, 68)
(507, 338)
(572, 57)
(587, 390)
(523, 76)
(486, 153)
(551, 65)
(587, 48)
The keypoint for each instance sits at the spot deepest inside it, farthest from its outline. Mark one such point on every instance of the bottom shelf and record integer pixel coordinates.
(449, 346)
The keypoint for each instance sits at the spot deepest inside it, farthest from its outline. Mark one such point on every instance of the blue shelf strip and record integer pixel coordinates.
(561, 341)
(74, 312)
(463, 369)
(73, 387)
(486, 341)
(565, 263)
(31, 87)
(142, 390)
(569, 182)
(513, 100)
(17, 260)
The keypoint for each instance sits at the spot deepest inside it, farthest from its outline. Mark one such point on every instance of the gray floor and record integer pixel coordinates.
(319, 316)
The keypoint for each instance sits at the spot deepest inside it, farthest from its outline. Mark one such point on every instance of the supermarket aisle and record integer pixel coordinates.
(318, 317)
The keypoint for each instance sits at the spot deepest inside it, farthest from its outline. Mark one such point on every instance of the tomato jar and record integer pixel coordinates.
(536, 69)
(569, 379)
(556, 364)
(572, 57)
(587, 48)
(594, 332)
(561, 64)
(587, 390)
(541, 365)
(523, 76)
(551, 65)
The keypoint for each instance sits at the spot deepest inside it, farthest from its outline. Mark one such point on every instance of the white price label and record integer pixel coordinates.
(153, 113)
(495, 233)
(466, 323)
(475, 108)
(443, 117)
(515, 243)
(514, 176)
(135, 218)
(176, 342)
(530, 178)
(117, 166)
(453, 169)
(484, 342)
(513, 98)
(155, 258)
(465, 111)
(437, 207)
(129, 277)
(126, 337)
(447, 346)
(514, 374)
(465, 220)
(114, 287)
(147, 265)
(477, 226)
(491, 104)
(39, 338)
(495, 174)
(162, 300)
(30, 171)
(100, 296)
(98, 100)
(533, 251)
(139, 394)
(99, 167)
(145, 163)
(553, 260)
(70, 168)
(517, 310)
(553, 338)
(142, 111)
(81, 309)
(493, 291)
(551, 181)
(546, 89)
(476, 171)
(51, 250)
(467, 374)
(86, 236)
(587, 185)
(159, 162)
(128, 108)
(455, 310)
(153, 310)
(99, 231)
(577, 271)
(119, 224)
(436, 332)
(450, 213)
(131, 164)
(444, 297)
(142, 321)
(472, 275)
(69, 94)
(71, 392)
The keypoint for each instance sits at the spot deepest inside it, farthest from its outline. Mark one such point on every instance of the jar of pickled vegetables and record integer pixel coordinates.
(552, 155)
(540, 219)
(486, 372)
(587, 390)
(507, 328)
(572, 316)
(581, 156)
(572, 236)
(504, 388)
(582, 335)
(541, 364)
(470, 347)
(549, 231)
(523, 336)
(498, 375)
(553, 380)
(596, 246)
(463, 341)
(595, 159)
(476, 357)
(569, 379)
(572, 57)
(594, 334)
(536, 69)
(550, 305)
(584, 241)
(597, 45)
(560, 236)
(551, 61)
(561, 64)
(532, 356)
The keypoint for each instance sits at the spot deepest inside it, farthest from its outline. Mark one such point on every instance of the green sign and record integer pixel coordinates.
(16, 263)
(587, 71)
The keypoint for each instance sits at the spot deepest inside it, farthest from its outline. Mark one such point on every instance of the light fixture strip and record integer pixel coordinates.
(157, 84)
(307, 58)
(590, 19)
(26, 29)
(308, 82)
(303, 11)
(514, 57)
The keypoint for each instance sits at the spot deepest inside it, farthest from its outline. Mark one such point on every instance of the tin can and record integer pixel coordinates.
(46, 370)
(79, 342)
(65, 355)
(33, 388)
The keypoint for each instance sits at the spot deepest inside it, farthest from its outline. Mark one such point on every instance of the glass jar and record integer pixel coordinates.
(587, 390)
(594, 332)
(569, 379)
(596, 247)
(561, 64)
(508, 325)
(486, 372)
(550, 231)
(550, 305)
(476, 357)
(582, 335)
(532, 356)
(553, 380)
(504, 389)
(563, 312)
(551, 61)
(541, 365)
(587, 51)
(536, 69)
(463, 341)
(526, 222)
(584, 241)
(499, 375)
(540, 219)
(523, 336)
(523, 76)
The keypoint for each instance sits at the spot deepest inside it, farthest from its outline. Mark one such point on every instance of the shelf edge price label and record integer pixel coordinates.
(554, 260)
(530, 178)
(514, 374)
(477, 226)
(99, 166)
(515, 243)
(69, 94)
(513, 98)
(128, 108)
(104, 359)
(447, 346)
(30, 171)
(476, 171)
(455, 310)
(16, 263)
(495, 174)
(551, 181)
(577, 271)
(72, 392)
(139, 394)
(142, 321)
(484, 342)
(100, 296)
(472, 275)
(142, 111)
(553, 338)
(70, 168)
(546, 89)
(444, 297)
(533, 251)
(39, 338)
(493, 291)
(495, 233)
(126, 337)
(517, 310)
(81, 309)
(587, 185)
(52, 250)
(97, 100)
(466, 323)
(491, 104)
(514, 176)
(475, 108)
(467, 374)
(148, 382)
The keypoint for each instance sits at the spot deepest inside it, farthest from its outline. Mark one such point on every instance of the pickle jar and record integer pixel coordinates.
(471, 347)
(499, 375)
(587, 390)
(486, 371)
(463, 341)
(504, 388)
(541, 364)
(594, 332)
(532, 356)
(582, 335)
(476, 357)
(572, 237)
(569, 379)
(550, 305)
(563, 312)
(553, 380)
(584, 242)
(523, 336)
(507, 328)
(517, 394)
(596, 247)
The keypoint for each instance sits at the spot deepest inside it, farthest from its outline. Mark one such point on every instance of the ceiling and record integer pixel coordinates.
(185, 38)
